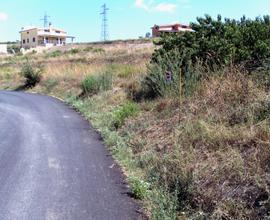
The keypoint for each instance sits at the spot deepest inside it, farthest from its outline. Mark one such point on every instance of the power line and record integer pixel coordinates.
(45, 19)
(104, 26)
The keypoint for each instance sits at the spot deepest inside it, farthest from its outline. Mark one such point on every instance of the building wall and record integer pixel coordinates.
(40, 37)
(155, 31)
(54, 41)
(29, 38)
(3, 49)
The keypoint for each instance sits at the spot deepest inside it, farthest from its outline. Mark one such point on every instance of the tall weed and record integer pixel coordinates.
(31, 74)
(93, 84)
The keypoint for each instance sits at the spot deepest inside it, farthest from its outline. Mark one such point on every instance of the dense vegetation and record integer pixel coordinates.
(31, 74)
(213, 45)
(189, 123)
(218, 166)
(222, 43)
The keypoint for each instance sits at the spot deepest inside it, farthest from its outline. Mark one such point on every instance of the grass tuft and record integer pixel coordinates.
(120, 114)
(31, 74)
(93, 84)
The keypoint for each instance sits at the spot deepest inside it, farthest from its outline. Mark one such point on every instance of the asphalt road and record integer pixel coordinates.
(53, 165)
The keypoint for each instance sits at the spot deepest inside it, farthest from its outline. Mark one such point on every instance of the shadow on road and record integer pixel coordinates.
(22, 88)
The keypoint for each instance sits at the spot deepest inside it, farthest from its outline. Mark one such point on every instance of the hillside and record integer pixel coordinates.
(203, 153)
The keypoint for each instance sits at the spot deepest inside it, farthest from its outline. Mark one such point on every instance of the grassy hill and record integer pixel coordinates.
(200, 155)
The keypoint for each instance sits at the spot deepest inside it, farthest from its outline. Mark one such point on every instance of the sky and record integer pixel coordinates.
(127, 19)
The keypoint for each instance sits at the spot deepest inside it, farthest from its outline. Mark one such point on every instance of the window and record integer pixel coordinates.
(23, 41)
(46, 30)
(28, 40)
(58, 32)
(27, 32)
(34, 39)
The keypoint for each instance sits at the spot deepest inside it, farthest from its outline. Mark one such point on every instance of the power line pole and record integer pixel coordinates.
(104, 26)
(45, 19)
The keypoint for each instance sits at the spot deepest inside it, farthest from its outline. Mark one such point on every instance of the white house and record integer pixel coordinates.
(3, 48)
(32, 37)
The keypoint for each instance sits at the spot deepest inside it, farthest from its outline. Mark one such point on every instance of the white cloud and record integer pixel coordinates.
(3, 16)
(165, 7)
(150, 6)
(141, 4)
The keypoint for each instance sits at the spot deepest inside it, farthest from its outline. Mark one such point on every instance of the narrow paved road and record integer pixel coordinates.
(53, 166)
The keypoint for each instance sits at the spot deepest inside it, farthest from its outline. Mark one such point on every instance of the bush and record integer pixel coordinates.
(167, 78)
(93, 84)
(214, 45)
(94, 50)
(139, 188)
(88, 49)
(55, 53)
(123, 112)
(73, 51)
(98, 50)
(163, 205)
(31, 74)
(221, 43)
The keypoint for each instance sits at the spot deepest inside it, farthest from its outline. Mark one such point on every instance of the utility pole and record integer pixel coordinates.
(45, 19)
(104, 26)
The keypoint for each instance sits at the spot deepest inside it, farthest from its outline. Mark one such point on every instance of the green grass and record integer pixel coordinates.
(126, 71)
(73, 51)
(98, 50)
(88, 49)
(123, 112)
(206, 157)
(53, 54)
(49, 84)
(139, 187)
(96, 108)
(93, 84)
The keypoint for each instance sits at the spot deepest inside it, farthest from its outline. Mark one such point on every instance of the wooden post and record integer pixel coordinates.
(180, 93)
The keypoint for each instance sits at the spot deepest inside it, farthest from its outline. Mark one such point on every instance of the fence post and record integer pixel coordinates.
(180, 93)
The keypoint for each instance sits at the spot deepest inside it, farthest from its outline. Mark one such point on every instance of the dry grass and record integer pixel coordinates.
(218, 163)
(64, 72)
(211, 152)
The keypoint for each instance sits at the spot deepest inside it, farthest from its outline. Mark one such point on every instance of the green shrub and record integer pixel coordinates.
(213, 45)
(171, 173)
(88, 49)
(139, 188)
(90, 85)
(123, 112)
(98, 50)
(93, 84)
(221, 43)
(163, 205)
(73, 51)
(31, 74)
(55, 53)
(166, 77)
(94, 50)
